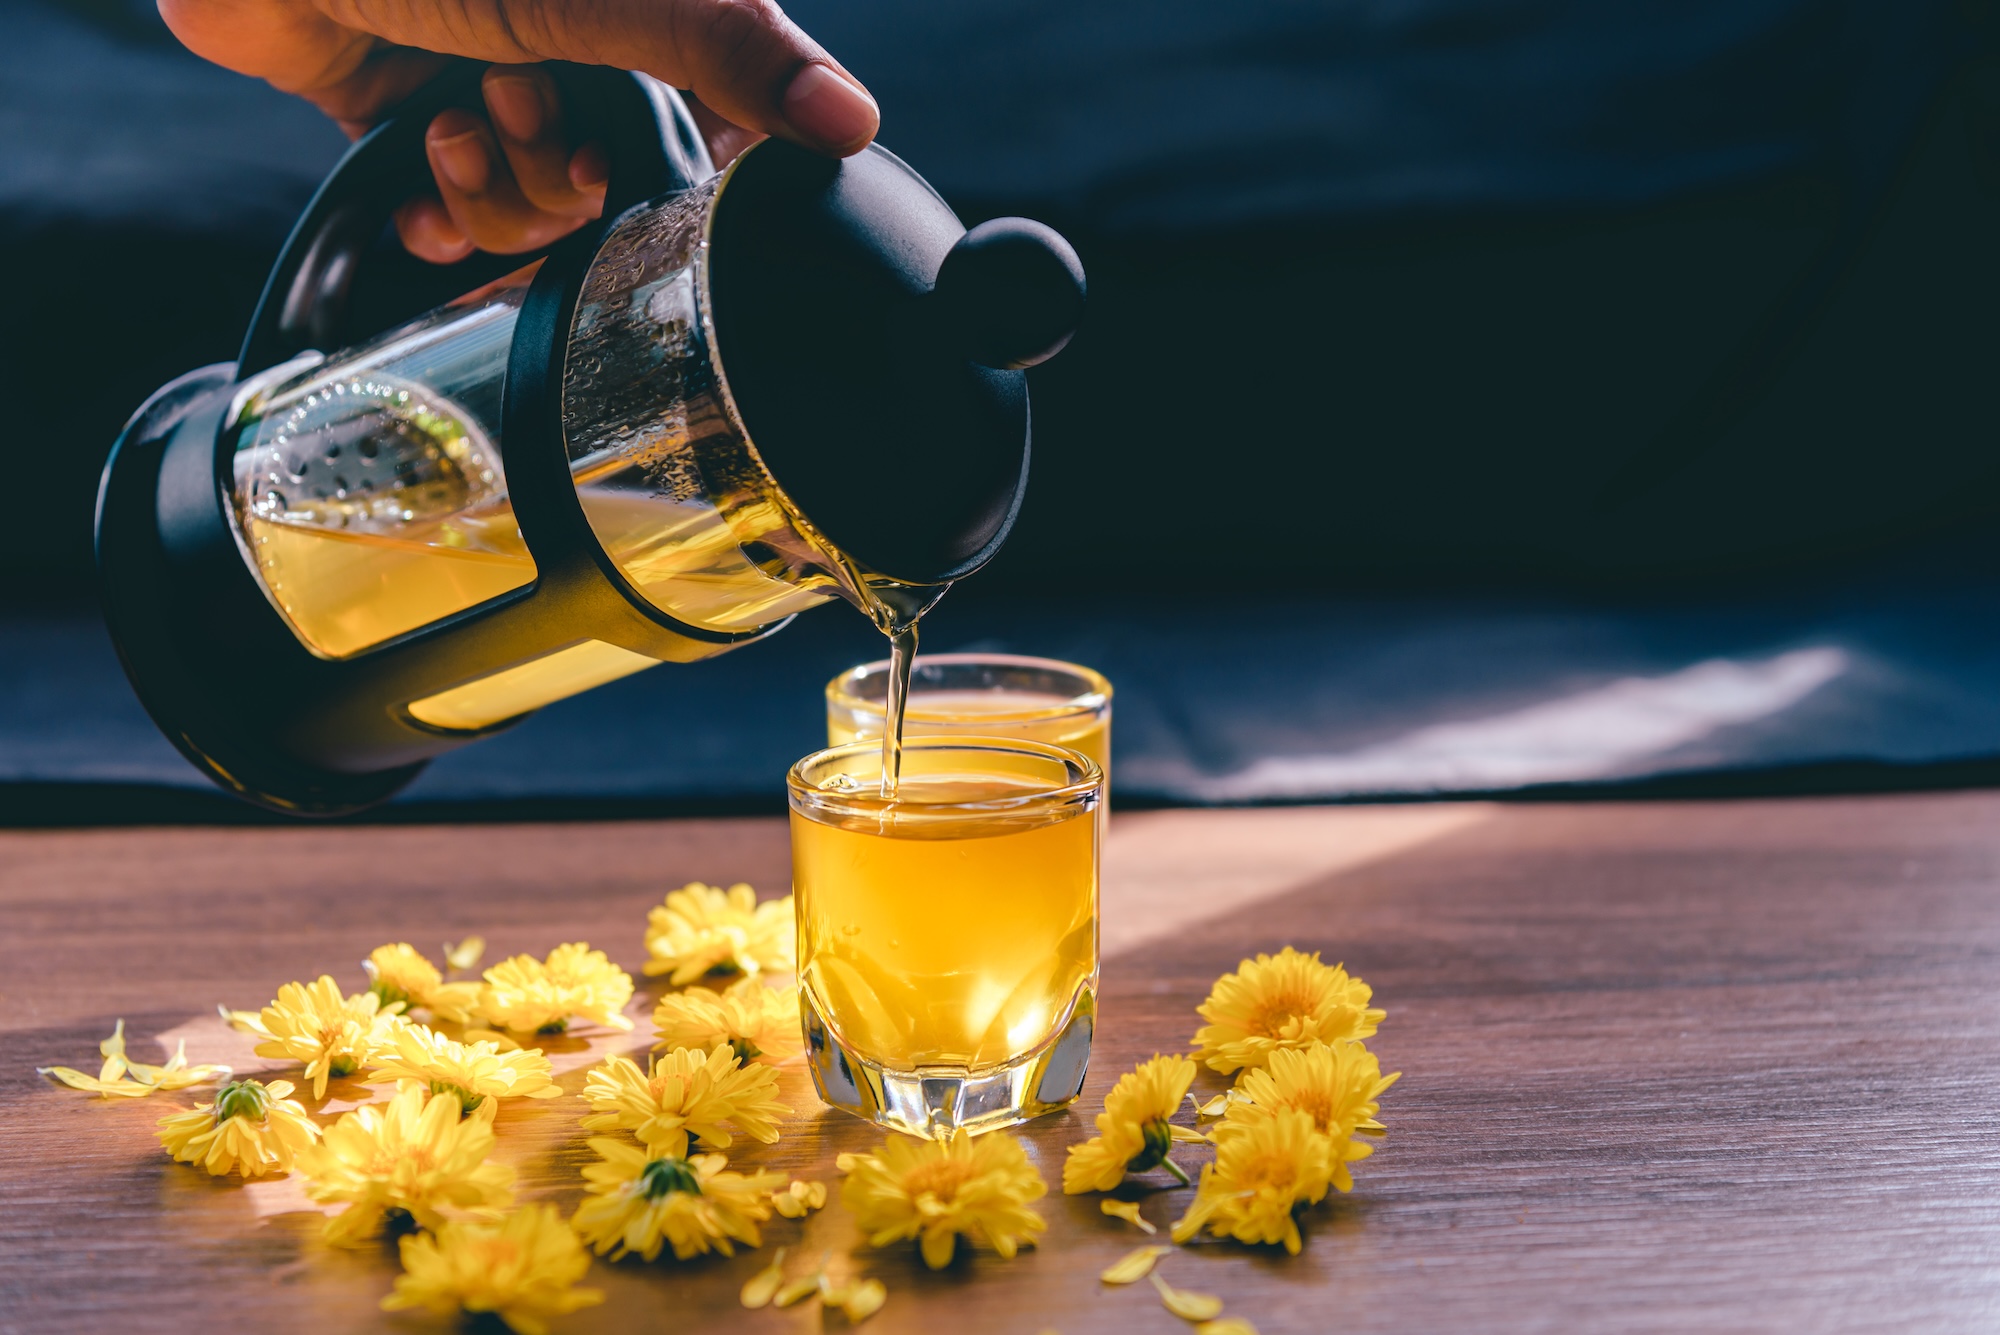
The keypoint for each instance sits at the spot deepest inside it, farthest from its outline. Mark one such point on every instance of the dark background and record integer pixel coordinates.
(1447, 294)
(1422, 314)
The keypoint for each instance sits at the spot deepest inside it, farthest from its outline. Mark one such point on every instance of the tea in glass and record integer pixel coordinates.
(981, 695)
(947, 935)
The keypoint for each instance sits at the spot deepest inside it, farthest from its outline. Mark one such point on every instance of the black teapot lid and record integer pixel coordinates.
(875, 348)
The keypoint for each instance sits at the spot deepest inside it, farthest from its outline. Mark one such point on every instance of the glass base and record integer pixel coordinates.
(934, 1101)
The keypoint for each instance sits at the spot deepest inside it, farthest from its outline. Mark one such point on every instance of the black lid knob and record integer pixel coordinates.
(1011, 290)
(872, 346)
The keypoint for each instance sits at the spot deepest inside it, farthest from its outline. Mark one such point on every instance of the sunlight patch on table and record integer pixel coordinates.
(1166, 871)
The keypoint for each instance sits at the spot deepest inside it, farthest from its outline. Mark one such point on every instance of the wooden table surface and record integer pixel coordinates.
(1723, 1067)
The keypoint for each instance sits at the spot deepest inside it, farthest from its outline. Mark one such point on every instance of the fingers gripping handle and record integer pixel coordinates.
(335, 282)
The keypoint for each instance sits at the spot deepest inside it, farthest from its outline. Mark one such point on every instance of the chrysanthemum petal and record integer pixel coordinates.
(1133, 1266)
(1128, 1211)
(761, 1287)
(465, 955)
(1186, 1304)
(91, 1084)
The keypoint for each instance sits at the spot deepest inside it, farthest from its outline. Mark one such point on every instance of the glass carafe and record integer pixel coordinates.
(371, 497)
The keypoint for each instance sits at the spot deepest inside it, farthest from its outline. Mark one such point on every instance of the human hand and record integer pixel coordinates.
(513, 180)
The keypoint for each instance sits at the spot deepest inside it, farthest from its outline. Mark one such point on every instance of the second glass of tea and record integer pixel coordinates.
(984, 695)
(947, 935)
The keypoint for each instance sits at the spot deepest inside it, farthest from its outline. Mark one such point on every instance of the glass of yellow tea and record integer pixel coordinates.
(981, 695)
(947, 935)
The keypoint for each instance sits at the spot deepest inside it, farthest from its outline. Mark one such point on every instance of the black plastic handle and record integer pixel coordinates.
(339, 279)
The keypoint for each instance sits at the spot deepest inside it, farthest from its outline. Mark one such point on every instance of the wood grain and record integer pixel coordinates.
(1721, 1066)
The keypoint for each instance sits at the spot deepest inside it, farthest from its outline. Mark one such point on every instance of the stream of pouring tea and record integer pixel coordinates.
(902, 652)
(895, 608)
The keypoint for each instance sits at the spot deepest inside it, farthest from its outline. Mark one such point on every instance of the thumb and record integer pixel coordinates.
(743, 58)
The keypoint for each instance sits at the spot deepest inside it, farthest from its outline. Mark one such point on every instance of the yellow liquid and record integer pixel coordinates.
(1034, 715)
(345, 591)
(962, 945)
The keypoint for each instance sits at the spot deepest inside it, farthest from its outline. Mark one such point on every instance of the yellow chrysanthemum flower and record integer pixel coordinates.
(332, 1033)
(1261, 1176)
(119, 1077)
(472, 1071)
(642, 1201)
(1133, 1133)
(937, 1190)
(687, 1093)
(702, 930)
(252, 1128)
(416, 1154)
(1287, 1000)
(759, 1023)
(524, 995)
(1335, 1084)
(400, 972)
(523, 1270)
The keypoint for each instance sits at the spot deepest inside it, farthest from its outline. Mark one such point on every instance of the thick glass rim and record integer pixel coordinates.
(811, 800)
(1095, 695)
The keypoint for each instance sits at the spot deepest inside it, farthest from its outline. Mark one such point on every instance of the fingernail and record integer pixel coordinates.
(516, 104)
(463, 160)
(828, 110)
(588, 168)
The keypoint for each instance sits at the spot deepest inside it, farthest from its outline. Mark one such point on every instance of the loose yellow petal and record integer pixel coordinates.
(1183, 1135)
(1134, 1265)
(801, 1197)
(243, 1022)
(1216, 1106)
(1186, 1305)
(797, 1291)
(1128, 1211)
(1228, 1325)
(465, 955)
(113, 1049)
(761, 1287)
(90, 1084)
(858, 1299)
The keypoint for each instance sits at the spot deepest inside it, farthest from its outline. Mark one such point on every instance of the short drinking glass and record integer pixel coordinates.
(982, 695)
(947, 936)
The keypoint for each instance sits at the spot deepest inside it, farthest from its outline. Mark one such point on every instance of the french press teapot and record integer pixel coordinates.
(738, 396)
